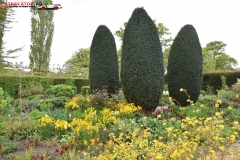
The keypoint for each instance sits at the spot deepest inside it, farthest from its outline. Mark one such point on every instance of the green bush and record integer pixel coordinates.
(85, 90)
(185, 66)
(46, 106)
(142, 69)
(103, 67)
(223, 94)
(61, 90)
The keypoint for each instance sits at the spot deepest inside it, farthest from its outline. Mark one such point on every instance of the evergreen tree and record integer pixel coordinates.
(41, 37)
(185, 66)
(142, 68)
(103, 68)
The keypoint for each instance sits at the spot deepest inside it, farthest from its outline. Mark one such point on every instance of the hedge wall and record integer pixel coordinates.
(11, 83)
(214, 79)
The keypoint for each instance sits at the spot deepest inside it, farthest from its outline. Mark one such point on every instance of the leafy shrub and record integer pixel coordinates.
(35, 114)
(46, 106)
(223, 94)
(85, 90)
(32, 89)
(99, 97)
(184, 73)
(61, 90)
(142, 69)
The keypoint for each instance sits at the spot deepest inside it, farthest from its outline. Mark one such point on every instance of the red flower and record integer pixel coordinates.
(62, 151)
(57, 150)
(66, 148)
(63, 147)
(41, 158)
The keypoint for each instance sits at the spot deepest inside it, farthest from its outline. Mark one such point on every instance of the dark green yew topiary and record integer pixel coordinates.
(185, 66)
(142, 69)
(103, 68)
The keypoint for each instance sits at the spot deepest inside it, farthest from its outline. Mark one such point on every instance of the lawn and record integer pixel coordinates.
(66, 126)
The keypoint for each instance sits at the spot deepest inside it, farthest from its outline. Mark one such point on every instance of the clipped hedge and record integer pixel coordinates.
(85, 90)
(11, 83)
(81, 82)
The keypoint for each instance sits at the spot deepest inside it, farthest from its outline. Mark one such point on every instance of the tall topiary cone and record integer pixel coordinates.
(142, 69)
(103, 68)
(185, 66)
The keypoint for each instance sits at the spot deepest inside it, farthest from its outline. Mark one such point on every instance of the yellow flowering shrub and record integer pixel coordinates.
(46, 126)
(72, 104)
(107, 118)
(197, 138)
(76, 102)
(126, 108)
(83, 132)
(46, 120)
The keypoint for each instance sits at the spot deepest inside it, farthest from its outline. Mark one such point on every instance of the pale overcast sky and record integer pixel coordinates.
(76, 23)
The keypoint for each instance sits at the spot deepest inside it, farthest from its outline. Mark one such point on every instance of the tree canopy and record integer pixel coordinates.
(215, 58)
(78, 64)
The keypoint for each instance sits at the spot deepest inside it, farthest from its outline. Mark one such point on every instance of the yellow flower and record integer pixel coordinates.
(221, 148)
(216, 105)
(229, 107)
(235, 123)
(92, 141)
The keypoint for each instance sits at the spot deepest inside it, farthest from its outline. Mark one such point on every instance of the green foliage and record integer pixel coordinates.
(232, 115)
(11, 83)
(142, 68)
(61, 90)
(216, 58)
(78, 64)
(103, 69)
(223, 94)
(81, 82)
(31, 90)
(42, 30)
(70, 81)
(85, 90)
(46, 106)
(35, 114)
(185, 65)
(61, 114)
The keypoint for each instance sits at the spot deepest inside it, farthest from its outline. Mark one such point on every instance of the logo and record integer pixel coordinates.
(35, 5)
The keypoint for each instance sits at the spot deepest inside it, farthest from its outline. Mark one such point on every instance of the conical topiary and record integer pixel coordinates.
(103, 68)
(185, 65)
(142, 69)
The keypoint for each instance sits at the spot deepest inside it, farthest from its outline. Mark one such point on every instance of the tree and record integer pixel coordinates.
(185, 65)
(78, 64)
(103, 68)
(164, 36)
(142, 69)
(41, 37)
(214, 53)
(6, 17)
(209, 64)
(165, 57)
